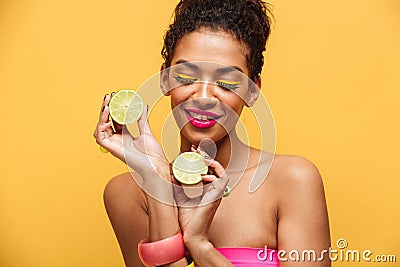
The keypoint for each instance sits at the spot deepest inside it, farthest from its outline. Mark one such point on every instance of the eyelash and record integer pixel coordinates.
(228, 85)
(183, 79)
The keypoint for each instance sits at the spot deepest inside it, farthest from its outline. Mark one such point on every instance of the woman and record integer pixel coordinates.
(287, 212)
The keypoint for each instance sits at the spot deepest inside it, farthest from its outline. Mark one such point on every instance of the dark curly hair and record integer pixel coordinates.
(246, 20)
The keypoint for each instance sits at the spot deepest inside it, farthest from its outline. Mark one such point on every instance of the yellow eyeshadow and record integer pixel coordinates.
(228, 82)
(183, 76)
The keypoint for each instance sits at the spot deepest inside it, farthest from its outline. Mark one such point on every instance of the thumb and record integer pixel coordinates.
(143, 122)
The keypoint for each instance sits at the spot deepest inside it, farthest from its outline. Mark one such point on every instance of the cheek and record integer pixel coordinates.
(178, 97)
(234, 102)
(184, 93)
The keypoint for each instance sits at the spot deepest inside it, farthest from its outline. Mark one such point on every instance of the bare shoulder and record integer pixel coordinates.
(124, 186)
(126, 207)
(291, 169)
(297, 180)
(121, 182)
(302, 212)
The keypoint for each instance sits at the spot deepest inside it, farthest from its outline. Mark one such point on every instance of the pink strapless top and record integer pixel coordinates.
(250, 257)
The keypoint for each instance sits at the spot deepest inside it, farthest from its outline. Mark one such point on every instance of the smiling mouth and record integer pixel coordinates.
(201, 118)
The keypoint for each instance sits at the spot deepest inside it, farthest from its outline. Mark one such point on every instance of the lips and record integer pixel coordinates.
(201, 118)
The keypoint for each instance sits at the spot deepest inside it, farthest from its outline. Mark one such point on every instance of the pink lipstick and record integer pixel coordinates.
(201, 118)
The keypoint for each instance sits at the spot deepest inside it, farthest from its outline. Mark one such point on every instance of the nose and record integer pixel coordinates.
(204, 96)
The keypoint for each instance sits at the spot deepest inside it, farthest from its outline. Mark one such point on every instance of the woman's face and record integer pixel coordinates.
(208, 84)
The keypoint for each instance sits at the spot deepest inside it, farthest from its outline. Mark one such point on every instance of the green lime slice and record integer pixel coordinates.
(188, 168)
(126, 106)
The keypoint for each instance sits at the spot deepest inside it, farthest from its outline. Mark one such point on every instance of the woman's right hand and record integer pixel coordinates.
(142, 153)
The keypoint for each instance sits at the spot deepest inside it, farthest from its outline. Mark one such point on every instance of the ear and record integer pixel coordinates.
(164, 80)
(253, 92)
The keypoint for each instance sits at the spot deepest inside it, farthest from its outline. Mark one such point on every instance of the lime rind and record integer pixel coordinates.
(188, 168)
(126, 106)
(187, 178)
(191, 170)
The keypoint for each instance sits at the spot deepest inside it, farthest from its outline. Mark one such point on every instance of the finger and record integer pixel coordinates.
(105, 124)
(105, 114)
(102, 104)
(209, 178)
(203, 153)
(102, 132)
(214, 191)
(117, 127)
(101, 127)
(210, 195)
(218, 183)
(106, 100)
(216, 167)
(143, 122)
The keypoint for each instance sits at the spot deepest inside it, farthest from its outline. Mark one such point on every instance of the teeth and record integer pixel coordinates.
(200, 116)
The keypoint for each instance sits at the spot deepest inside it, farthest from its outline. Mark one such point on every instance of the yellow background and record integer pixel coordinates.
(331, 78)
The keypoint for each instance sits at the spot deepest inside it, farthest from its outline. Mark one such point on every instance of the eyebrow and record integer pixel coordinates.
(229, 69)
(220, 70)
(188, 64)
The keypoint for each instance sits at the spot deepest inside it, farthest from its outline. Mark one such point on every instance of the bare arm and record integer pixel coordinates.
(163, 218)
(196, 215)
(135, 215)
(302, 215)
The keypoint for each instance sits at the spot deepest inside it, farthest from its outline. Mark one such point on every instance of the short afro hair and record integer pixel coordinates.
(247, 20)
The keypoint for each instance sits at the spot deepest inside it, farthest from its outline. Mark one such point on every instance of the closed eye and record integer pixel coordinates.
(229, 85)
(184, 79)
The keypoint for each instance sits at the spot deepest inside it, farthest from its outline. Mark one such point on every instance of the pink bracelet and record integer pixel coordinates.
(163, 251)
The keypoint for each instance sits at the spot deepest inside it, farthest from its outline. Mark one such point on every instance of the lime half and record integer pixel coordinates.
(188, 168)
(126, 106)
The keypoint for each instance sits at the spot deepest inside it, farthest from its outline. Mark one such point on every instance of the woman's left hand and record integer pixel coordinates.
(196, 214)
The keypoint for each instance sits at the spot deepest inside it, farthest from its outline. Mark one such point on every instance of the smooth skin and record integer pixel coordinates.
(287, 212)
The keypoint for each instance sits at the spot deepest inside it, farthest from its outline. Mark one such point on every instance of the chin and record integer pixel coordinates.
(195, 136)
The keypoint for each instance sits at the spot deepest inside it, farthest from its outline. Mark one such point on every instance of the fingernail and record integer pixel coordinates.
(104, 97)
